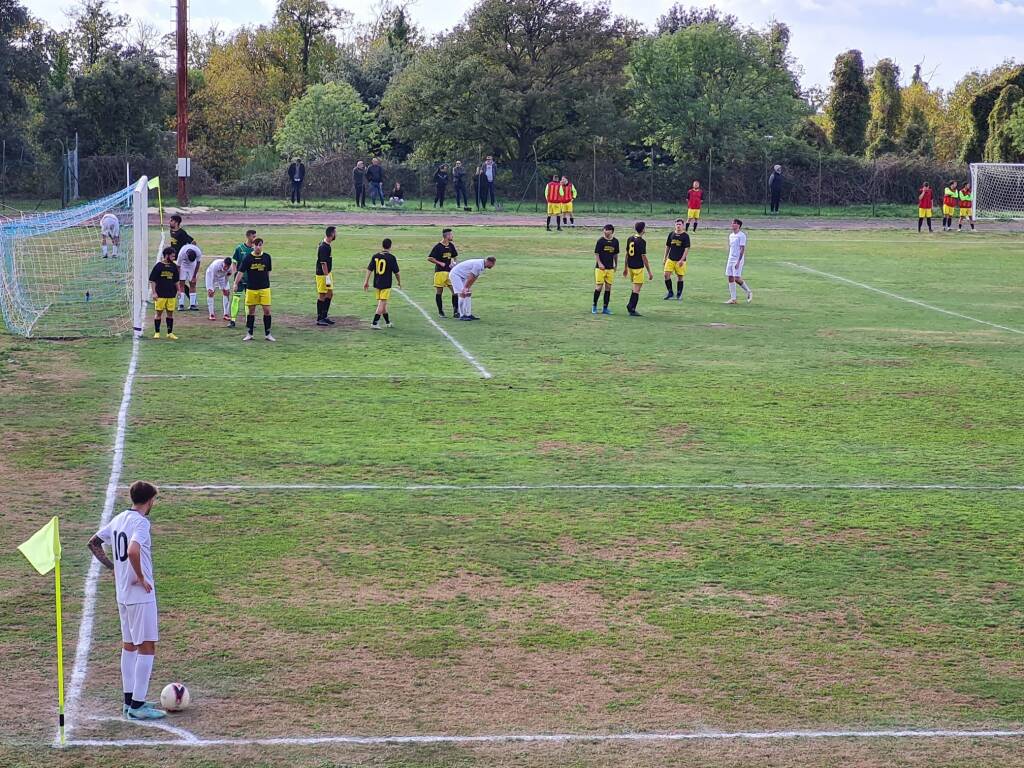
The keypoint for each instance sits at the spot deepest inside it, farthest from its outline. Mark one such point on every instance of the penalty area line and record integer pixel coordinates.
(891, 295)
(311, 376)
(892, 487)
(556, 738)
(462, 350)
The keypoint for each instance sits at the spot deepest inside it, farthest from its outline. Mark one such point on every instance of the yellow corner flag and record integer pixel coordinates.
(153, 183)
(43, 551)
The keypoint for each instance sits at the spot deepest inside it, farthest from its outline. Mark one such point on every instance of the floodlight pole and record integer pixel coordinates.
(181, 35)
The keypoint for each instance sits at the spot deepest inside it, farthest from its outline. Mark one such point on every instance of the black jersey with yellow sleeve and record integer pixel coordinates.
(444, 253)
(179, 239)
(384, 267)
(164, 277)
(257, 271)
(636, 249)
(606, 251)
(677, 243)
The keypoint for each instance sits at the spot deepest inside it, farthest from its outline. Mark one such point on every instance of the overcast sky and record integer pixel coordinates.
(948, 37)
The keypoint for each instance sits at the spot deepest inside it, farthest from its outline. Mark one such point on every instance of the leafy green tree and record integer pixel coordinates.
(710, 85)
(516, 75)
(917, 135)
(1000, 146)
(1015, 127)
(848, 108)
(23, 72)
(886, 108)
(681, 16)
(94, 28)
(379, 53)
(309, 23)
(328, 118)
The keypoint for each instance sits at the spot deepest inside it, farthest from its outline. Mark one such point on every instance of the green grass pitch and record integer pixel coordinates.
(398, 610)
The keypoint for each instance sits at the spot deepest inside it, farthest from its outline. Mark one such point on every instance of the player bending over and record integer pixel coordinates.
(238, 295)
(606, 262)
(677, 246)
(463, 275)
(163, 287)
(218, 278)
(324, 279)
(190, 258)
(636, 264)
(129, 539)
(256, 273)
(444, 256)
(383, 267)
(110, 229)
(735, 262)
(694, 200)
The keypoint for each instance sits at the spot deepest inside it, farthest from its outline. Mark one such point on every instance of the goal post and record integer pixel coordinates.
(80, 271)
(998, 190)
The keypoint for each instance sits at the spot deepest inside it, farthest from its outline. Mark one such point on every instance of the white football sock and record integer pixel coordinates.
(209, 303)
(128, 659)
(195, 299)
(732, 290)
(469, 306)
(143, 669)
(114, 249)
(746, 288)
(181, 301)
(104, 249)
(463, 303)
(227, 303)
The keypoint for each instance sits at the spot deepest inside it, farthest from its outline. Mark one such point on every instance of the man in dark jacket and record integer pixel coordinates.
(459, 177)
(297, 175)
(440, 185)
(375, 176)
(359, 182)
(775, 187)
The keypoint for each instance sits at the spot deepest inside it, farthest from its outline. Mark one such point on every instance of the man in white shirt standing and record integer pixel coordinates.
(218, 278)
(463, 275)
(127, 534)
(737, 258)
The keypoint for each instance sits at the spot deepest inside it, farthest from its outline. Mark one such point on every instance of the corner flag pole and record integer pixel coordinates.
(60, 655)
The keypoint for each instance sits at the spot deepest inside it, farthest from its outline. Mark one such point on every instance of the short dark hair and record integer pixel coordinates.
(680, 221)
(250, 232)
(141, 492)
(168, 251)
(491, 259)
(446, 231)
(609, 227)
(639, 227)
(258, 241)
(227, 261)
(330, 231)
(387, 243)
(737, 221)
(176, 217)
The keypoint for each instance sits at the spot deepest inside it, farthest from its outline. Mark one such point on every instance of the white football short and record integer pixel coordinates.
(734, 268)
(138, 623)
(457, 283)
(110, 226)
(217, 281)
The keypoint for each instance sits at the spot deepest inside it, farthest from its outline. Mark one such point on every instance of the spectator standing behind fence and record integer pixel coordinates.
(478, 180)
(775, 187)
(359, 183)
(440, 185)
(397, 196)
(297, 175)
(375, 176)
(459, 177)
(490, 173)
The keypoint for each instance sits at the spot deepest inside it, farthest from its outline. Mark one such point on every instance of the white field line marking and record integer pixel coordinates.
(557, 738)
(932, 307)
(213, 487)
(92, 576)
(462, 350)
(181, 733)
(314, 376)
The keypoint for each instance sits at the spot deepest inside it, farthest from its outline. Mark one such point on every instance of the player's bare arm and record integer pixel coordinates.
(469, 284)
(96, 547)
(135, 560)
(366, 282)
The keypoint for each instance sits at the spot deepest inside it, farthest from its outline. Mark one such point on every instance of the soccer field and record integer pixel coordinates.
(802, 514)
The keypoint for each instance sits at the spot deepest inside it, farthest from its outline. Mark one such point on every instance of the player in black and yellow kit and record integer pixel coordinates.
(163, 287)
(241, 251)
(606, 262)
(324, 280)
(383, 267)
(256, 269)
(444, 256)
(179, 238)
(677, 246)
(636, 265)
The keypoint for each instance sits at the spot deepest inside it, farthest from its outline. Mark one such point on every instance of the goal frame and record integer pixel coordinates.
(978, 209)
(140, 257)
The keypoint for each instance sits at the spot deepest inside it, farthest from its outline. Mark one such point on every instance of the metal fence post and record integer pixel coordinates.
(651, 201)
(819, 182)
(710, 150)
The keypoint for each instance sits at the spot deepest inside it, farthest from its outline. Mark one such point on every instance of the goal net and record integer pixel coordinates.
(58, 281)
(998, 190)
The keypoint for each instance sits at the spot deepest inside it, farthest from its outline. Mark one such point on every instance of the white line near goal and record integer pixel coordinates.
(92, 576)
(555, 738)
(519, 487)
(462, 350)
(311, 376)
(891, 295)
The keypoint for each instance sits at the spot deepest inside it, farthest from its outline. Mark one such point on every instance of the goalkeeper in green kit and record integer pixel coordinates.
(243, 250)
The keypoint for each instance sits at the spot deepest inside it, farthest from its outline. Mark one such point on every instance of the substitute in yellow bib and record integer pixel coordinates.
(382, 268)
(606, 262)
(966, 208)
(567, 194)
(677, 247)
(324, 279)
(950, 201)
(256, 272)
(553, 197)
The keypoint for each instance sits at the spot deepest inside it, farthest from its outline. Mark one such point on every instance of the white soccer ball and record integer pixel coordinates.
(175, 697)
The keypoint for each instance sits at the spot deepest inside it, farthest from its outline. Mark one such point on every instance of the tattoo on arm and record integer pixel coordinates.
(96, 547)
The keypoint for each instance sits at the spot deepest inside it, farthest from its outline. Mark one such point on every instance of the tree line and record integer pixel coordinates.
(531, 81)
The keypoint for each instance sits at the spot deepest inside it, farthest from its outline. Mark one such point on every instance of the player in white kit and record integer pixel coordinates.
(110, 229)
(128, 537)
(737, 259)
(189, 260)
(463, 275)
(218, 278)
